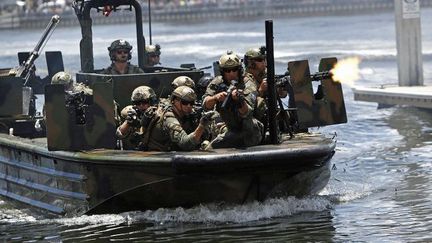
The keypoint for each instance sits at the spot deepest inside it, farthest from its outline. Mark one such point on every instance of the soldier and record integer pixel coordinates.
(66, 79)
(153, 54)
(256, 66)
(166, 129)
(241, 128)
(70, 87)
(256, 69)
(182, 81)
(120, 54)
(177, 82)
(130, 130)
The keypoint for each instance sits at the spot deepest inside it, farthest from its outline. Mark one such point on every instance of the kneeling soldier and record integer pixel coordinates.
(130, 130)
(165, 130)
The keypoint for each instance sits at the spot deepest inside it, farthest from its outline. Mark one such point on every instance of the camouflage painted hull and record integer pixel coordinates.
(110, 181)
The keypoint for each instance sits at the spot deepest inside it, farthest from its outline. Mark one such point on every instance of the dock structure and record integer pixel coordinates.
(416, 96)
(411, 90)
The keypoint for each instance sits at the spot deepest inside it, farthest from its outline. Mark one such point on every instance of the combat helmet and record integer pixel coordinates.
(153, 49)
(144, 93)
(229, 60)
(62, 78)
(184, 93)
(182, 81)
(253, 54)
(119, 45)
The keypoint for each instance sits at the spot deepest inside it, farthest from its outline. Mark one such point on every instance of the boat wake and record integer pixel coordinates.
(208, 213)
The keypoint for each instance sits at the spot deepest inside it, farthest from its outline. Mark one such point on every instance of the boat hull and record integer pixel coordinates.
(111, 181)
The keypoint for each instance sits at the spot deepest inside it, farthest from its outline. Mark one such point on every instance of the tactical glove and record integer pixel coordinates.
(207, 118)
(132, 117)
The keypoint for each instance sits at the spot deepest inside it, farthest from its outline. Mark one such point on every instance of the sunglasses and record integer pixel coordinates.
(259, 59)
(185, 102)
(122, 52)
(154, 55)
(229, 70)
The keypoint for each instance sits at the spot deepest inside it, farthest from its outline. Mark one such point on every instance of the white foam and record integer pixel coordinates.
(215, 213)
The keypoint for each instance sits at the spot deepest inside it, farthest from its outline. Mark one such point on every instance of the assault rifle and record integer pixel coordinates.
(26, 68)
(228, 99)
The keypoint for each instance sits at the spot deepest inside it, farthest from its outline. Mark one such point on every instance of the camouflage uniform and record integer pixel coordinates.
(249, 58)
(131, 138)
(131, 69)
(189, 124)
(239, 131)
(120, 45)
(169, 131)
(261, 106)
(153, 53)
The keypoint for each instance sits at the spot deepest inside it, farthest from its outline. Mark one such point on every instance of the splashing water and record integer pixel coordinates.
(347, 71)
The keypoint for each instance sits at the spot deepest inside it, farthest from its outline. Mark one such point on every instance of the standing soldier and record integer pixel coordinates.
(241, 128)
(120, 54)
(166, 129)
(130, 131)
(153, 55)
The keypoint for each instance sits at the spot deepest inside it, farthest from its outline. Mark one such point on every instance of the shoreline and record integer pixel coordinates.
(269, 10)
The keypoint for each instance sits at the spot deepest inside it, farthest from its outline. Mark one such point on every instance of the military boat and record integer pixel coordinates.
(71, 165)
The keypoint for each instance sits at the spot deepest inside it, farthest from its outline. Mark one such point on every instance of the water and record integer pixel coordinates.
(380, 189)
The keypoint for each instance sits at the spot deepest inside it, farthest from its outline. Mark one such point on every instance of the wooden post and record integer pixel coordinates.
(408, 41)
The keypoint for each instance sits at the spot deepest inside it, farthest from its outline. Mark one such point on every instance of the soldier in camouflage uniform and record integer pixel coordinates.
(255, 63)
(256, 69)
(130, 130)
(177, 82)
(120, 54)
(242, 129)
(70, 86)
(166, 131)
(66, 79)
(153, 55)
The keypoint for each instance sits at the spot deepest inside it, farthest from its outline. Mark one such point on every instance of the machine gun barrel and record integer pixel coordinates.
(228, 99)
(318, 76)
(282, 80)
(24, 70)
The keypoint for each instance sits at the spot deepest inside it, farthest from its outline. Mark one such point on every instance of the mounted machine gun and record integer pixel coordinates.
(18, 86)
(26, 69)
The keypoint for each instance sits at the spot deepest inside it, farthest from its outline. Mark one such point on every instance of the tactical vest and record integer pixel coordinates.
(154, 119)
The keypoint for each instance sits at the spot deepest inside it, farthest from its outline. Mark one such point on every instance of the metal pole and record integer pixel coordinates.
(271, 83)
(150, 29)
